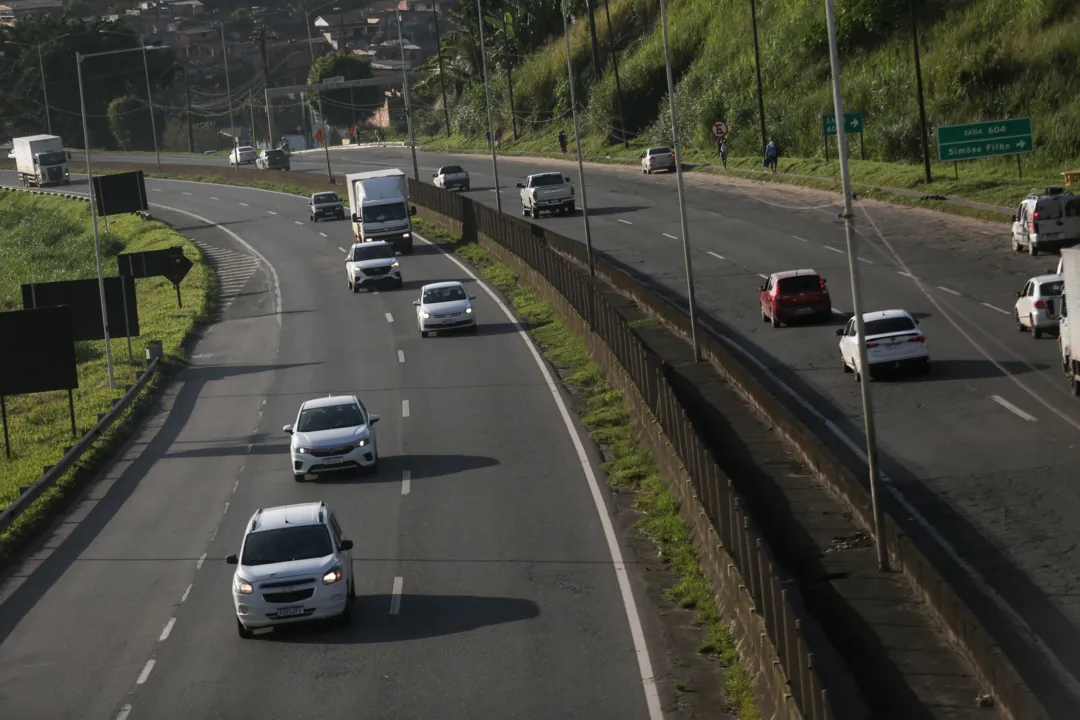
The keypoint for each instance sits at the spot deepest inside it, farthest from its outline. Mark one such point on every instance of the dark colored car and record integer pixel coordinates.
(273, 160)
(794, 295)
(325, 205)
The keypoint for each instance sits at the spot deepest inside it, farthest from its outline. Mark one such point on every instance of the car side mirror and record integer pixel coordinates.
(232, 559)
(567, 179)
(521, 185)
(435, 175)
(840, 332)
(355, 219)
(373, 418)
(346, 545)
(1014, 218)
(1016, 294)
(287, 429)
(472, 297)
(760, 289)
(416, 303)
(412, 210)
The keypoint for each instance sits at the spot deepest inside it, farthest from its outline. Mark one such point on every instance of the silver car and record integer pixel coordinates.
(330, 434)
(657, 158)
(444, 306)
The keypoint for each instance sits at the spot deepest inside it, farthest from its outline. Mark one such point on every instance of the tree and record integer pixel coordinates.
(342, 106)
(129, 123)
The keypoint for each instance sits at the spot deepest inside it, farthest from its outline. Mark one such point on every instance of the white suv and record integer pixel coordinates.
(332, 433)
(294, 565)
(371, 264)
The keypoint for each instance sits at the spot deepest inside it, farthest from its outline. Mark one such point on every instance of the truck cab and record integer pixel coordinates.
(380, 208)
(41, 160)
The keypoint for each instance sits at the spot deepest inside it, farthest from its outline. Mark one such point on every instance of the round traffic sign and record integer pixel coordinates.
(430, 120)
(719, 129)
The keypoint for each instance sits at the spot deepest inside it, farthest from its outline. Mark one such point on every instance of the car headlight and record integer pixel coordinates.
(395, 265)
(241, 586)
(425, 315)
(333, 576)
(405, 235)
(361, 443)
(468, 309)
(302, 450)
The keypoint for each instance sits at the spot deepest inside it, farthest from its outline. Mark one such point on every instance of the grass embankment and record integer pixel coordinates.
(46, 239)
(629, 467)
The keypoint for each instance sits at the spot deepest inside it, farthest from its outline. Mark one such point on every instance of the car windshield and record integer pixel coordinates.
(385, 213)
(441, 295)
(1049, 209)
(302, 542)
(799, 283)
(1052, 289)
(888, 326)
(451, 169)
(247, 149)
(323, 198)
(371, 252)
(549, 179)
(1072, 208)
(52, 158)
(329, 417)
(660, 151)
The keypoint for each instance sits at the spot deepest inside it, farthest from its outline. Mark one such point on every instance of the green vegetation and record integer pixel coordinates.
(629, 467)
(46, 239)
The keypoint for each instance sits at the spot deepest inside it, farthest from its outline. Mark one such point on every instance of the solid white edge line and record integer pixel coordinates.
(901, 272)
(951, 292)
(637, 633)
(147, 669)
(670, 236)
(1012, 408)
(718, 257)
(124, 712)
(395, 595)
(406, 481)
(994, 308)
(404, 408)
(200, 561)
(168, 629)
(401, 356)
(835, 250)
(389, 317)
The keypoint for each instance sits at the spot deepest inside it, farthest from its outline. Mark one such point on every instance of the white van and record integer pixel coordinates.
(1047, 221)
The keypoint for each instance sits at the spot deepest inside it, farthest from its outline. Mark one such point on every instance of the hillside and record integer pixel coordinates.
(981, 60)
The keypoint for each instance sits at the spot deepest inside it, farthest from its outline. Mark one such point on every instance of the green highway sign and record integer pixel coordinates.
(853, 124)
(985, 139)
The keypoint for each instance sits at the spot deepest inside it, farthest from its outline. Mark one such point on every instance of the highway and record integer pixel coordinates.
(981, 455)
(485, 576)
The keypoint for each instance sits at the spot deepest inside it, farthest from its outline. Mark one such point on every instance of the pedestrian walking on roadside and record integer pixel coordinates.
(723, 151)
(771, 155)
(487, 136)
(498, 136)
(562, 141)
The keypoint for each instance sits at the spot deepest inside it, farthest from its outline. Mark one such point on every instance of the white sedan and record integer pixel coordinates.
(330, 434)
(894, 341)
(1038, 305)
(444, 306)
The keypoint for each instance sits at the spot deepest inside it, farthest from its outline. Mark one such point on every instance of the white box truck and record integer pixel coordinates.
(41, 160)
(1069, 331)
(380, 207)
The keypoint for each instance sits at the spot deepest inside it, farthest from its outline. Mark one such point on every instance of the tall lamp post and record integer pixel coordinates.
(577, 139)
(79, 57)
(41, 68)
(487, 102)
(324, 127)
(228, 86)
(918, 85)
(408, 106)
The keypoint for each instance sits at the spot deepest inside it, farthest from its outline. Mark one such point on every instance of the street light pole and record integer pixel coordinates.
(679, 184)
(323, 127)
(757, 68)
(487, 102)
(856, 293)
(93, 214)
(618, 83)
(408, 106)
(577, 141)
(228, 86)
(44, 91)
(150, 100)
(442, 73)
(187, 94)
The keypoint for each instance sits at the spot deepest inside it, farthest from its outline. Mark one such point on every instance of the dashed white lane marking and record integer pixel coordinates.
(995, 308)
(389, 317)
(235, 485)
(763, 277)
(342, 249)
(633, 618)
(200, 561)
(271, 212)
(670, 236)
(945, 289)
(186, 592)
(124, 712)
(868, 262)
(298, 222)
(835, 250)
(800, 239)
(226, 509)
(404, 408)
(244, 204)
(186, 193)
(1012, 408)
(214, 198)
(147, 669)
(324, 235)
(406, 481)
(395, 596)
(156, 189)
(401, 356)
(837, 311)
(901, 272)
(168, 629)
(624, 222)
(718, 257)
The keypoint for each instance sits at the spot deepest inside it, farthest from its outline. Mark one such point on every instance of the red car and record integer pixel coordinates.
(794, 295)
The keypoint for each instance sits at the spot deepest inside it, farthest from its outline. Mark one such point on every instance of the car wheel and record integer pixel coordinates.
(536, 213)
(1015, 245)
(466, 188)
(925, 369)
(1076, 385)
(1019, 325)
(858, 375)
(764, 317)
(843, 362)
(775, 322)
(1036, 333)
(524, 210)
(1032, 250)
(242, 631)
(355, 287)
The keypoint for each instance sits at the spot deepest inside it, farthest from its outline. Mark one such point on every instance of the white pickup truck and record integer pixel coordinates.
(546, 192)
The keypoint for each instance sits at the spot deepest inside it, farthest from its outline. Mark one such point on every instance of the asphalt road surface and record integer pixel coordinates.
(485, 578)
(981, 455)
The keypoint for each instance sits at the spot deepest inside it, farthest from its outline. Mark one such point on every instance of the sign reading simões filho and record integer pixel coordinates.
(853, 124)
(985, 139)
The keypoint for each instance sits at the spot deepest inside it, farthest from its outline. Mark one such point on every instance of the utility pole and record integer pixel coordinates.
(510, 78)
(598, 70)
(266, 87)
(187, 94)
(618, 85)
(918, 85)
(228, 88)
(856, 292)
(487, 102)
(577, 141)
(44, 91)
(408, 105)
(757, 68)
(442, 73)
(324, 127)
(150, 102)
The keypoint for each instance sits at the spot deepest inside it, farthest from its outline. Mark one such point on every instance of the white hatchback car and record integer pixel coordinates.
(444, 306)
(1038, 305)
(372, 264)
(330, 434)
(294, 565)
(894, 341)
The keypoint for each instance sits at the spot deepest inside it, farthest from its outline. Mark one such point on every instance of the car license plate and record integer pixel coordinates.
(333, 461)
(804, 311)
(290, 612)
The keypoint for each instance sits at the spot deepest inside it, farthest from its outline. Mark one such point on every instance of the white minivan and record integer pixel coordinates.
(1047, 221)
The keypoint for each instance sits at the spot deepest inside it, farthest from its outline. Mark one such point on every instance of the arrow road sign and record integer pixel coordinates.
(986, 139)
(853, 124)
(169, 263)
(719, 129)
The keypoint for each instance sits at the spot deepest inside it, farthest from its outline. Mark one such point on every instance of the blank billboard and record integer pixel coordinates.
(39, 351)
(120, 194)
(83, 297)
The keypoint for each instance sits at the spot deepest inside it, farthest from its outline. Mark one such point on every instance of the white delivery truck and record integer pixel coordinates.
(41, 160)
(380, 208)
(1068, 331)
